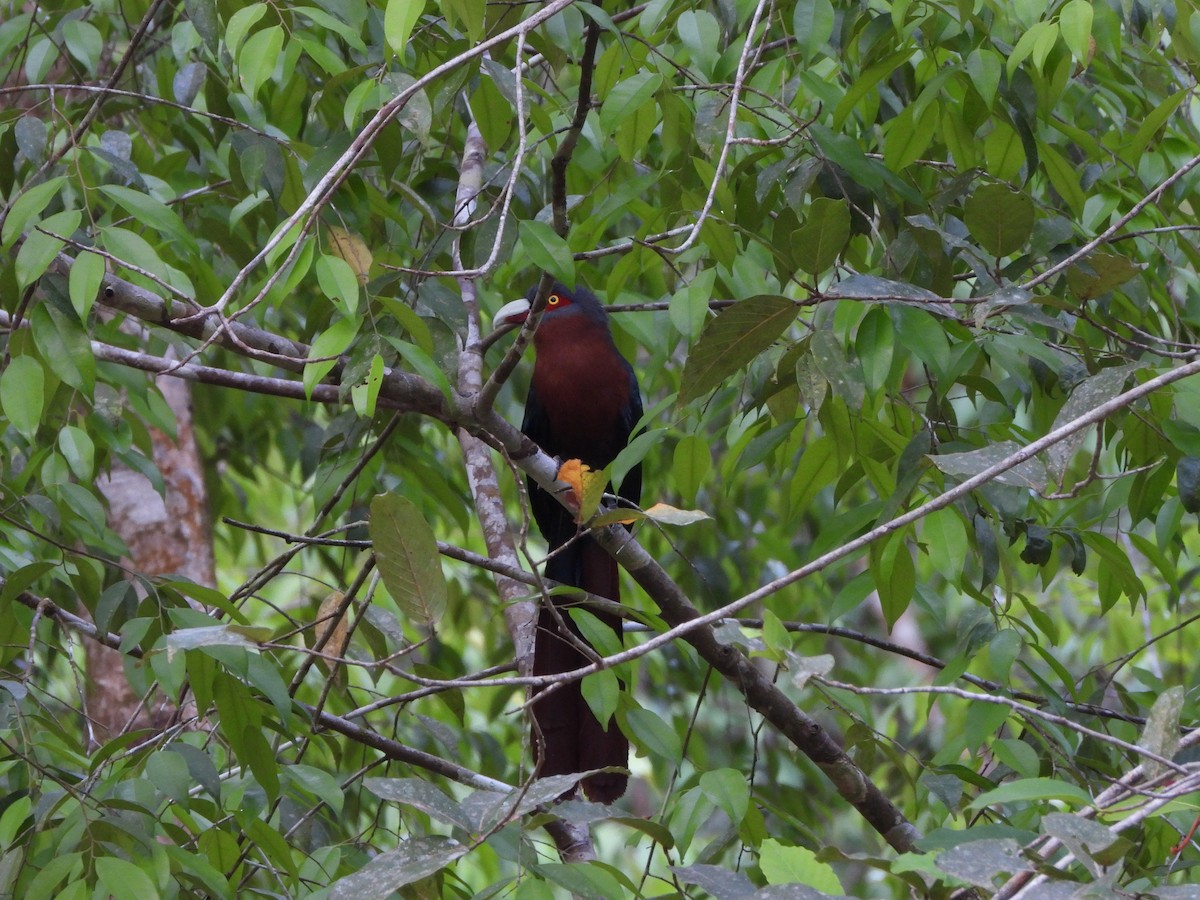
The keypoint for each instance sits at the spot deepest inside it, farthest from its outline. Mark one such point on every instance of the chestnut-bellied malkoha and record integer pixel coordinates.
(583, 404)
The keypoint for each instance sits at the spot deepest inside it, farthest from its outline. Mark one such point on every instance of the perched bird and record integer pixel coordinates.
(583, 404)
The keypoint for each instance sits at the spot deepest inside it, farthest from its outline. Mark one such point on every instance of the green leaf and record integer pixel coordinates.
(78, 450)
(1000, 219)
(626, 98)
(1030, 473)
(812, 26)
(122, 880)
(817, 243)
(1187, 477)
(338, 282)
(729, 791)
(240, 24)
(22, 386)
(731, 340)
(256, 62)
(244, 636)
(1086, 396)
(1032, 790)
(894, 574)
(547, 250)
(1003, 151)
(601, 690)
(329, 343)
(87, 274)
(398, 21)
(691, 463)
(1161, 732)
(1033, 43)
(1100, 273)
(422, 795)
(650, 733)
(782, 864)
(416, 858)
(1150, 126)
(909, 136)
(980, 862)
(41, 246)
(407, 555)
(29, 205)
(985, 67)
(701, 35)
(1075, 25)
(874, 345)
(64, 346)
(587, 880)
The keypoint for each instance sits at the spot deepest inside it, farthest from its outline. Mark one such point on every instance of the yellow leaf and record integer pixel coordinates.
(329, 622)
(353, 250)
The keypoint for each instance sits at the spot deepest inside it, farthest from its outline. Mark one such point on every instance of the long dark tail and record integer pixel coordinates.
(572, 738)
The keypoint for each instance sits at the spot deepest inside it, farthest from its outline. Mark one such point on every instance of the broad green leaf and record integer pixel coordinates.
(1032, 790)
(1187, 479)
(812, 26)
(874, 344)
(257, 59)
(29, 205)
(415, 859)
(650, 733)
(980, 862)
(122, 880)
(1063, 176)
(64, 346)
(492, 112)
(1000, 219)
(22, 386)
(817, 243)
(909, 136)
(691, 463)
(1087, 395)
(1100, 273)
(629, 95)
(587, 880)
(423, 795)
(240, 24)
(398, 20)
(729, 792)
(817, 469)
(731, 340)
(601, 690)
(1030, 473)
(43, 243)
(701, 35)
(1150, 125)
(78, 450)
(87, 274)
(338, 282)
(1003, 151)
(782, 864)
(985, 67)
(407, 555)
(1075, 25)
(150, 212)
(547, 250)
(894, 574)
(329, 343)
(1033, 44)
(1160, 735)
(242, 636)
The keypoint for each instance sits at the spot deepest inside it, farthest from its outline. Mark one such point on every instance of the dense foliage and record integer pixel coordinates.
(911, 290)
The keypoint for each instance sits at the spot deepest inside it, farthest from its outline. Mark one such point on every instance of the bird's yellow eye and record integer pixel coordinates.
(553, 300)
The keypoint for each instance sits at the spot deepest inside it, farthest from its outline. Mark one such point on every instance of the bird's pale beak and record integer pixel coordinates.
(512, 313)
